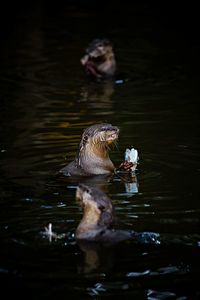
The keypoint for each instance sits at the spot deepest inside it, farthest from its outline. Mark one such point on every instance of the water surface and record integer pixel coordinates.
(46, 102)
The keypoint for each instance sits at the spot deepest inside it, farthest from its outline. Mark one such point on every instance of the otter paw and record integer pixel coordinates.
(125, 166)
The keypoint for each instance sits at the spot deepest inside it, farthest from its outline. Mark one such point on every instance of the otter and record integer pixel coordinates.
(99, 60)
(98, 217)
(92, 156)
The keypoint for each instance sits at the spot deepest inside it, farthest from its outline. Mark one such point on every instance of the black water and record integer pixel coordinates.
(46, 102)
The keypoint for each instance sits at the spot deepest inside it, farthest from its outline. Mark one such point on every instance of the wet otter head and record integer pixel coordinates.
(99, 60)
(93, 154)
(97, 212)
(100, 135)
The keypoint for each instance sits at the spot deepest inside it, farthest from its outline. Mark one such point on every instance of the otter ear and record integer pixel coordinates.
(83, 141)
(85, 138)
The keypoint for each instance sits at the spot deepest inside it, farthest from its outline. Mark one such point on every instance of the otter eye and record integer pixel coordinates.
(88, 191)
(102, 208)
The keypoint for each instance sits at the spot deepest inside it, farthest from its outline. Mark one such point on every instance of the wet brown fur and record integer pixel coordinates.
(92, 156)
(98, 216)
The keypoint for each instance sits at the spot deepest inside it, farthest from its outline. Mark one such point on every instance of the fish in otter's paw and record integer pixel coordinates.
(99, 60)
(92, 156)
(98, 217)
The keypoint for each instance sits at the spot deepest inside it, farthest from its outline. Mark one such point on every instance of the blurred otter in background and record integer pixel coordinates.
(99, 60)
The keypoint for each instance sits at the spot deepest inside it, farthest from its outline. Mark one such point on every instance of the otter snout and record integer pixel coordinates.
(84, 60)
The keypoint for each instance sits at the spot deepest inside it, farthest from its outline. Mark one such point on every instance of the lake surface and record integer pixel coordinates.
(46, 103)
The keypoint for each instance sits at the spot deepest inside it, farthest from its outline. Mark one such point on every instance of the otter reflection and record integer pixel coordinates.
(98, 97)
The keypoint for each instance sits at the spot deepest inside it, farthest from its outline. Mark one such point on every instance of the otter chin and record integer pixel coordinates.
(92, 157)
(98, 216)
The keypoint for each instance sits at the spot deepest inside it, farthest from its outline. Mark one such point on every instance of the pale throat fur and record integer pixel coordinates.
(94, 149)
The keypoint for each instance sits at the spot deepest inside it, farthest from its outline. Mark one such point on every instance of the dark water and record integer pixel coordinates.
(46, 102)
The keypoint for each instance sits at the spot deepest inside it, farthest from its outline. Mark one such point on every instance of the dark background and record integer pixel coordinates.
(177, 17)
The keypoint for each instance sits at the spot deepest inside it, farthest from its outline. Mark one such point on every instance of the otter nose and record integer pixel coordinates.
(115, 128)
